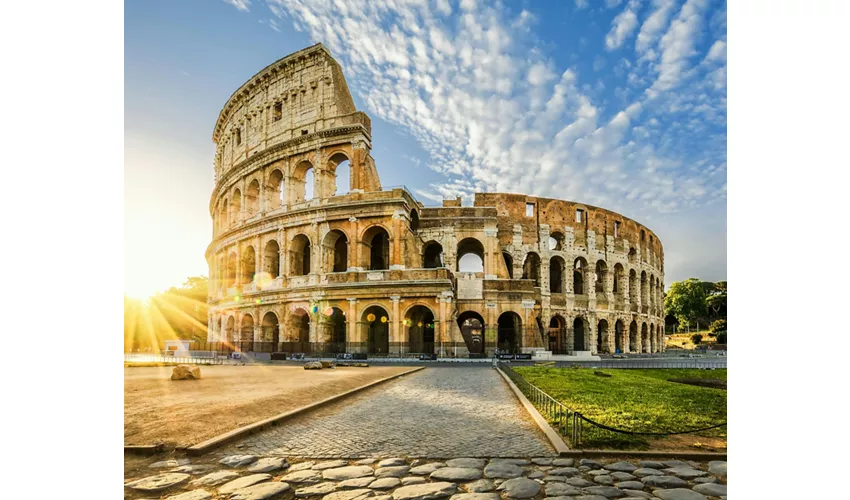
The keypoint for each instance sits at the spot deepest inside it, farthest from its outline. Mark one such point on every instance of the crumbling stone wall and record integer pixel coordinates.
(281, 261)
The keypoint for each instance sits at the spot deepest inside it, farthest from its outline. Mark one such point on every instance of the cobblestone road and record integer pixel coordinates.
(437, 412)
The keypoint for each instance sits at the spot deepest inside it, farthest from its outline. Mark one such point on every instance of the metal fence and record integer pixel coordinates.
(583, 432)
(707, 364)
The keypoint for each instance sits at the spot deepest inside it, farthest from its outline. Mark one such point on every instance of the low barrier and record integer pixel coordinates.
(577, 428)
(179, 360)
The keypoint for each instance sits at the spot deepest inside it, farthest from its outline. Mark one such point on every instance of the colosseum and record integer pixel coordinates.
(311, 254)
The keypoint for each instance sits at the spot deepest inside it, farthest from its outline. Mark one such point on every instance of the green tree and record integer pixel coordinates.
(696, 338)
(716, 300)
(686, 301)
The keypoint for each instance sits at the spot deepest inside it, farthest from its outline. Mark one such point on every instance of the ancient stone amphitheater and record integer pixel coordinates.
(310, 253)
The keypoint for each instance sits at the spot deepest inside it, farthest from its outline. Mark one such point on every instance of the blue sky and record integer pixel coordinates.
(620, 104)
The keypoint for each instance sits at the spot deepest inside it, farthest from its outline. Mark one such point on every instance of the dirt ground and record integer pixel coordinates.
(186, 412)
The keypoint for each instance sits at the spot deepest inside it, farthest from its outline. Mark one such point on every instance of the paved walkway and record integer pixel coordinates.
(447, 411)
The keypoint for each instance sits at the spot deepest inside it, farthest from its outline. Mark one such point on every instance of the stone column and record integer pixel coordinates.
(491, 248)
(351, 335)
(395, 331)
(396, 261)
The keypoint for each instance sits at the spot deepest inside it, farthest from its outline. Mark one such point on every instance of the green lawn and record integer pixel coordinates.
(637, 400)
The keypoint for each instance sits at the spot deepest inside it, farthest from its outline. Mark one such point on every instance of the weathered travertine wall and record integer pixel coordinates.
(374, 270)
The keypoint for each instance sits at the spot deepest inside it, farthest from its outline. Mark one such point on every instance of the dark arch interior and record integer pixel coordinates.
(414, 220)
(633, 333)
(378, 241)
(337, 330)
(300, 256)
(578, 335)
(433, 256)
(509, 337)
(420, 333)
(377, 323)
(556, 275)
(531, 268)
(271, 259)
(271, 329)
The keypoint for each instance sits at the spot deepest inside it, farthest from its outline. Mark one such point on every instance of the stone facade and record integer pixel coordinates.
(375, 270)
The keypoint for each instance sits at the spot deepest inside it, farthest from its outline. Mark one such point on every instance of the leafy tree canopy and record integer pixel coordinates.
(686, 300)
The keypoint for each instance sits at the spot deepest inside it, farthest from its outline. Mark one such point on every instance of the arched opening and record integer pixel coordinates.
(271, 330)
(557, 334)
(653, 347)
(509, 263)
(236, 208)
(619, 336)
(230, 272)
(579, 343)
(230, 334)
(632, 254)
(509, 337)
(275, 190)
(420, 330)
(303, 182)
(633, 287)
(433, 256)
(556, 274)
(414, 220)
(579, 268)
(377, 242)
(531, 268)
(271, 259)
(472, 329)
(223, 220)
(602, 337)
(249, 263)
(644, 338)
(651, 290)
(377, 324)
(341, 167)
(335, 251)
(470, 256)
(299, 330)
(300, 256)
(644, 290)
(618, 279)
(633, 337)
(246, 333)
(601, 276)
(333, 330)
(556, 241)
(252, 198)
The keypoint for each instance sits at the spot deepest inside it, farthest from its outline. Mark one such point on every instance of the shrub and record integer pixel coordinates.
(696, 338)
(721, 338)
(717, 326)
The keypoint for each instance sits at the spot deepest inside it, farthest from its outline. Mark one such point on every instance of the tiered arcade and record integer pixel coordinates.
(303, 260)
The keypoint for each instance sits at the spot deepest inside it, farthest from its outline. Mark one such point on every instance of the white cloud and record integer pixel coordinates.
(654, 24)
(622, 26)
(494, 113)
(581, 4)
(240, 4)
(677, 45)
(717, 52)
